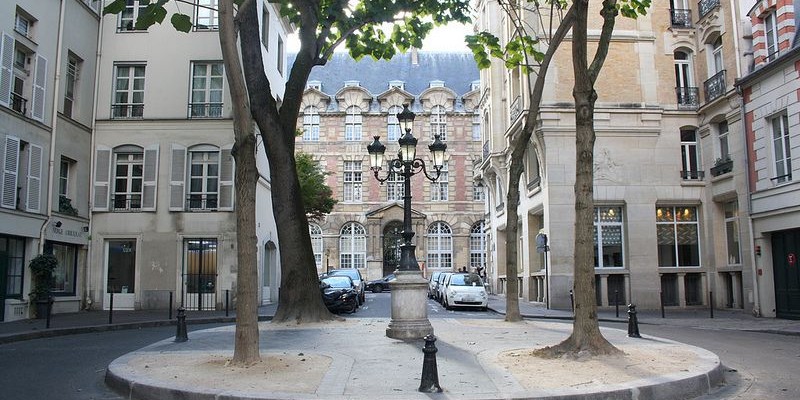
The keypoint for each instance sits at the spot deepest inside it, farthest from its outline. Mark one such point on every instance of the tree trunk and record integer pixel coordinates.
(246, 351)
(586, 334)
(301, 300)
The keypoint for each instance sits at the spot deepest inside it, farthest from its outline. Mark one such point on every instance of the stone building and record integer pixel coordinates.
(346, 103)
(670, 177)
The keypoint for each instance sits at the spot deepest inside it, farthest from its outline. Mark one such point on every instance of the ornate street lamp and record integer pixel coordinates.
(409, 291)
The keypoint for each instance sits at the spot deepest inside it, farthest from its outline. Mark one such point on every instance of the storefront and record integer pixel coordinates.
(67, 240)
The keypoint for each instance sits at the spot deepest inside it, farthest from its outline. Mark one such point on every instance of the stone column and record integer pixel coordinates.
(409, 307)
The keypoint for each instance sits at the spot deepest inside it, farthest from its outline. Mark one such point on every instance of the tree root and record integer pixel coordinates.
(570, 348)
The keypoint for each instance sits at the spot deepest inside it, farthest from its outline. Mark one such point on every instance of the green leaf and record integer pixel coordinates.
(181, 22)
(115, 7)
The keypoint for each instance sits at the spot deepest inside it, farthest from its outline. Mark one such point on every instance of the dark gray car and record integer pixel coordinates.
(355, 275)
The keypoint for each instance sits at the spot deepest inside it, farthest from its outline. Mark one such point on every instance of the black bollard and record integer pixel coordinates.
(227, 296)
(430, 373)
(49, 310)
(633, 322)
(170, 305)
(616, 303)
(110, 308)
(572, 301)
(181, 335)
(711, 303)
(662, 303)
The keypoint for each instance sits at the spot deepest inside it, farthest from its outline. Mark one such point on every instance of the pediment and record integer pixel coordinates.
(393, 211)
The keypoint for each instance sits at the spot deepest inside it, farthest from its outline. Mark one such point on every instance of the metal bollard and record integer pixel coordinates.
(110, 308)
(711, 303)
(430, 373)
(170, 305)
(181, 335)
(661, 294)
(616, 303)
(572, 301)
(227, 302)
(633, 322)
(49, 310)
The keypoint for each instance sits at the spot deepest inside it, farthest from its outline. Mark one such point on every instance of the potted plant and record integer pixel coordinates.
(42, 267)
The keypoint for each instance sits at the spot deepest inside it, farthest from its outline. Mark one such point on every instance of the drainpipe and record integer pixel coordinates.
(54, 123)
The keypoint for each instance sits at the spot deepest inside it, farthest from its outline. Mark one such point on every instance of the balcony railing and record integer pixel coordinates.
(122, 111)
(693, 175)
(688, 97)
(706, 6)
(681, 18)
(722, 166)
(205, 110)
(19, 103)
(715, 86)
(202, 202)
(516, 108)
(127, 202)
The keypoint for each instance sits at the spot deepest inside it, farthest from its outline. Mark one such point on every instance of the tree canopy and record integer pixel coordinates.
(317, 195)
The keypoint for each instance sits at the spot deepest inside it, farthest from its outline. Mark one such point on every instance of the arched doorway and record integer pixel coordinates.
(269, 284)
(392, 239)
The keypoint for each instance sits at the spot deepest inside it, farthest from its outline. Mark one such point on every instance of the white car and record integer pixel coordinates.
(465, 290)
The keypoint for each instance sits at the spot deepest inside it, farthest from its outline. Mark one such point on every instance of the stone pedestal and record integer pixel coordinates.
(409, 307)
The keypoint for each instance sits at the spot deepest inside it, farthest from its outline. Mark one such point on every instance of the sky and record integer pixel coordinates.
(444, 38)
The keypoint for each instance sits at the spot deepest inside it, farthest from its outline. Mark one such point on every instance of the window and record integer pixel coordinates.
(397, 84)
(73, 71)
(440, 187)
(128, 16)
(207, 15)
(677, 235)
(608, 238)
(532, 168)
(680, 13)
(476, 127)
(438, 123)
(280, 55)
(690, 159)
(771, 33)
(316, 243)
(310, 124)
(352, 124)
(22, 25)
(395, 186)
(203, 179)
(63, 177)
(12, 251)
(722, 135)
(265, 27)
(23, 79)
(732, 232)
(478, 192)
(128, 92)
(716, 54)
(440, 246)
(477, 246)
(64, 274)
(206, 101)
(499, 193)
(352, 181)
(352, 246)
(392, 124)
(684, 80)
(22, 175)
(128, 179)
(715, 85)
(782, 149)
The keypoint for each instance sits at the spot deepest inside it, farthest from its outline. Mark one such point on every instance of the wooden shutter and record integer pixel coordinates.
(150, 178)
(226, 169)
(10, 169)
(177, 180)
(33, 196)
(6, 68)
(102, 177)
(39, 92)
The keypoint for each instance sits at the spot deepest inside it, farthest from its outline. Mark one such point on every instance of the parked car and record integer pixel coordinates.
(432, 284)
(439, 295)
(338, 294)
(379, 285)
(465, 290)
(355, 275)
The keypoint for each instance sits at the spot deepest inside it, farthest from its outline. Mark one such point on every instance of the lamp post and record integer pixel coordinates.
(409, 290)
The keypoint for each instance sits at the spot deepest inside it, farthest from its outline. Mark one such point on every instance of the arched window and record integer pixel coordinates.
(716, 53)
(684, 79)
(352, 246)
(352, 124)
(438, 122)
(440, 246)
(477, 246)
(316, 243)
(310, 124)
(392, 125)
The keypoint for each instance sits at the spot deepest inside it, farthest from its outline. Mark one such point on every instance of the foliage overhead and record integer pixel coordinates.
(317, 196)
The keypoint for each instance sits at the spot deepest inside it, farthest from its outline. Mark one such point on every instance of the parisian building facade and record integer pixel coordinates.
(138, 200)
(346, 103)
(671, 195)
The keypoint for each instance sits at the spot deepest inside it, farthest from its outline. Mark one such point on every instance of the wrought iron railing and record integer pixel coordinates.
(19, 103)
(681, 18)
(516, 108)
(202, 202)
(127, 202)
(706, 6)
(201, 292)
(205, 110)
(714, 86)
(121, 111)
(722, 166)
(693, 175)
(688, 97)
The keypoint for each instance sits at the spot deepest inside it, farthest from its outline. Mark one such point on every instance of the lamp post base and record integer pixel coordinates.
(409, 307)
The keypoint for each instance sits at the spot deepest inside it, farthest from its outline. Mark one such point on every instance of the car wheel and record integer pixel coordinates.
(447, 304)
(377, 288)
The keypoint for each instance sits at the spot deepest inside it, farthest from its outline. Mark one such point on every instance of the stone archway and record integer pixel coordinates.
(392, 239)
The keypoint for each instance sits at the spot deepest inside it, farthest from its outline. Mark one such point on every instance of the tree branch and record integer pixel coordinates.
(609, 13)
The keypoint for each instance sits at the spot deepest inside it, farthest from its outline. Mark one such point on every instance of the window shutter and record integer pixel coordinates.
(34, 183)
(39, 94)
(102, 176)
(150, 178)
(226, 179)
(6, 68)
(177, 180)
(10, 169)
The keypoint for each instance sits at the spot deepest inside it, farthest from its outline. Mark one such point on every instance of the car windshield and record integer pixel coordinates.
(466, 280)
(435, 276)
(352, 273)
(338, 281)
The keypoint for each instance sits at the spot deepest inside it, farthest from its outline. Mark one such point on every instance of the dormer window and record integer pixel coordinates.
(351, 84)
(397, 84)
(314, 85)
(22, 25)
(771, 34)
(434, 84)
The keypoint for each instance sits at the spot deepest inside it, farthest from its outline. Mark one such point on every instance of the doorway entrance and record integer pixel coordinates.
(121, 277)
(392, 240)
(269, 273)
(785, 251)
(200, 274)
